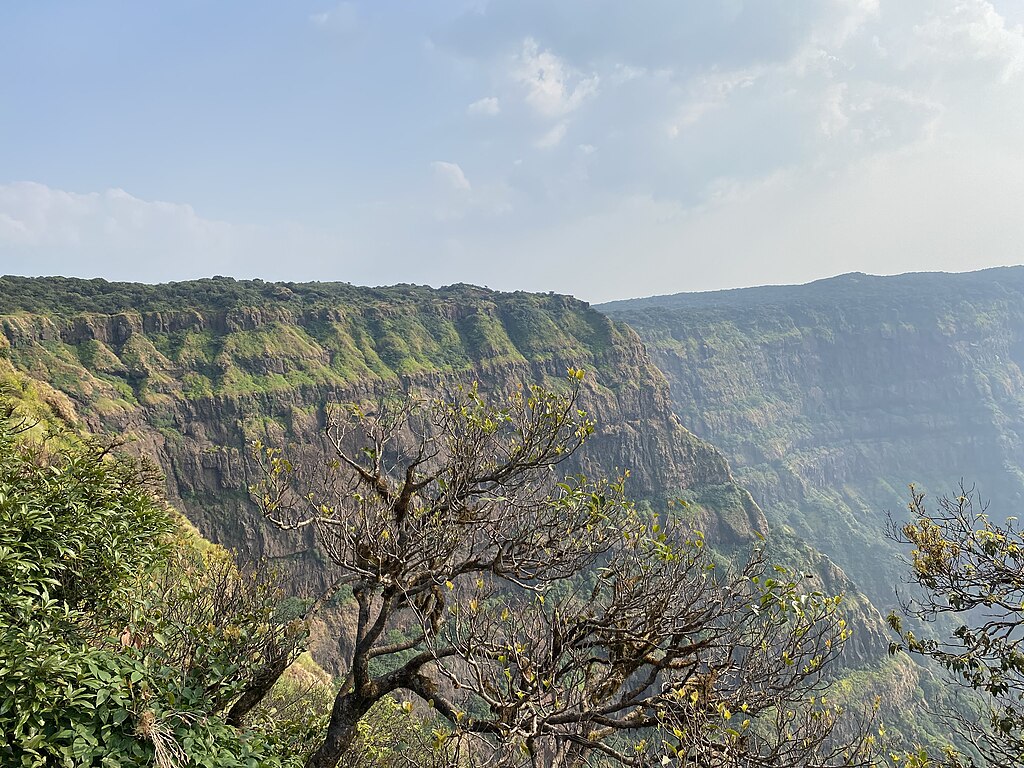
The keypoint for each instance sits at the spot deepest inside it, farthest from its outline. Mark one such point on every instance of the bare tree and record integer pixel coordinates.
(547, 619)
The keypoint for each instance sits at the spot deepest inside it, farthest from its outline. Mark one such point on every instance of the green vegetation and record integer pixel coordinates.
(125, 639)
(128, 640)
(59, 295)
(830, 398)
(104, 655)
(971, 569)
(191, 372)
(133, 344)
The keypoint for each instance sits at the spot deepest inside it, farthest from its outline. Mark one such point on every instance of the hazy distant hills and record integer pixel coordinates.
(829, 398)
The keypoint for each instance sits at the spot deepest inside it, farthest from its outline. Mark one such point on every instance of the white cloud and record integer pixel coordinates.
(455, 200)
(709, 92)
(553, 137)
(833, 116)
(118, 236)
(624, 73)
(973, 31)
(553, 89)
(935, 208)
(739, 142)
(851, 17)
(487, 107)
(451, 175)
(36, 215)
(858, 135)
(878, 117)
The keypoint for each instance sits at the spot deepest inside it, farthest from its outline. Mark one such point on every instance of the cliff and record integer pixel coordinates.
(830, 398)
(190, 374)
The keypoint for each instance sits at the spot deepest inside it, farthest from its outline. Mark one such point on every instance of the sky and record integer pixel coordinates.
(601, 148)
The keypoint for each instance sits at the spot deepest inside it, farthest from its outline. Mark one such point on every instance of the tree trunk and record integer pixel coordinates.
(257, 689)
(348, 709)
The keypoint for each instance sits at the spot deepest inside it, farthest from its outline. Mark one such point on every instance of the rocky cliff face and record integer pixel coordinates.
(192, 386)
(830, 398)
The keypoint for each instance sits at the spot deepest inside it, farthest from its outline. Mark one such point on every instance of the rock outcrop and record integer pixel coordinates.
(192, 387)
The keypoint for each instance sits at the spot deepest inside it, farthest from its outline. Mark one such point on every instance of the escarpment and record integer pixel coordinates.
(193, 386)
(830, 398)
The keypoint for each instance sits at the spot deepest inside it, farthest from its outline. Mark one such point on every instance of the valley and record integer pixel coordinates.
(811, 407)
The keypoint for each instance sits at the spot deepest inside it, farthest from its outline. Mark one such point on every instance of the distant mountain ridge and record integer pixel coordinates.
(829, 398)
(906, 285)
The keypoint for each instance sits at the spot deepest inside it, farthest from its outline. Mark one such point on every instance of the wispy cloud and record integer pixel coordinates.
(973, 31)
(488, 106)
(553, 137)
(451, 175)
(711, 91)
(117, 235)
(37, 215)
(552, 88)
(749, 134)
(342, 17)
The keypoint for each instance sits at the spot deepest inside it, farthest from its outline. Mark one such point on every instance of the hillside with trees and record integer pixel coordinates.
(584, 630)
(193, 386)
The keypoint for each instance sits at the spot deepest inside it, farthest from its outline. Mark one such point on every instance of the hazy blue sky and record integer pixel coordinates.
(601, 148)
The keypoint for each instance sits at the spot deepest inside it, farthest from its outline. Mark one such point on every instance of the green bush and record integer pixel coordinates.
(104, 659)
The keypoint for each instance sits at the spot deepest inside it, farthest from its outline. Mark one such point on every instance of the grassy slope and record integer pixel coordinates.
(212, 337)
